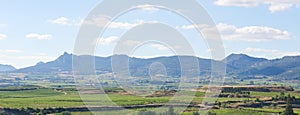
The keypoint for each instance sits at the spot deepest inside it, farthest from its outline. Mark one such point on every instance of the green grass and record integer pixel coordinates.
(29, 93)
(99, 113)
(238, 112)
(48, 97)
(266, 110)
(264, 94)
(234, 99)
(272, 94)
(43, 98)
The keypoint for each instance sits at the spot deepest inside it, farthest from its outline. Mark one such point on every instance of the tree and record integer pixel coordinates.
(276, 98)
(211, 113)
(257, 100)
(196, 113)
(219, 104)
(289, 107)
(282, 96)
(251, 82)
(66, 113)
(171, 111)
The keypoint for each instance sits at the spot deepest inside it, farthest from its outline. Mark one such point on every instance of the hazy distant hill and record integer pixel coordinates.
(138, 67)
(242, 62)
(237, 64)
(62, 63)
(287, 67)
(5, 68)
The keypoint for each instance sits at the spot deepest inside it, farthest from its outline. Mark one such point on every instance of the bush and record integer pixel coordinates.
(196, 113)
(66, 113)
(146, 113)
(211, 113)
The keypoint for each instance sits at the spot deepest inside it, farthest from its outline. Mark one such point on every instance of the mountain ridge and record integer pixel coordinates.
(6, 68)
(237, 65)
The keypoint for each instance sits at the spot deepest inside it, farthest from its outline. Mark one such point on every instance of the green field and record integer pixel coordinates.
(67, 97)
(43, 98)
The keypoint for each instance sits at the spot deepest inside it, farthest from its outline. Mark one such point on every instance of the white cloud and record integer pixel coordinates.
(159, 47)
(60, 21)
(3, 36)
(97, 20)
(252, 33)
(201, 26)
(10, 51)
(274, 5)
(3, 61)
(38, 57)
(39, 36)
(148, 57)
(240, 3)
(247, 33)
(13, 51)
(21, 61)
(66, 21)
(147, 7)
(3, 56)
(127, 25)
(109, 40)
(101, 21)
(124, 25)
(210, 50)
(281, 5)
(271, 53)
(132, 42)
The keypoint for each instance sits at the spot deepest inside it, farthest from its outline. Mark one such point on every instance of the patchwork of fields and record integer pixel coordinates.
(68, 99)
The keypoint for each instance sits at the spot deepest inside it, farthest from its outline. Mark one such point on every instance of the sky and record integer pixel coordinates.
(32, 31)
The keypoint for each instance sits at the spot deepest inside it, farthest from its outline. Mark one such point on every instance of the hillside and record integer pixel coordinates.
(237, 65)
(62, 63)
(6, 68)
(287, 67)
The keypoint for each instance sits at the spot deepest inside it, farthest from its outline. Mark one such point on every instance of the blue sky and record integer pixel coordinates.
(33, 30)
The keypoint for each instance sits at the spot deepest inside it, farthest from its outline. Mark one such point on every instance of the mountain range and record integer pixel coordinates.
(236, 65)
(4, 68)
